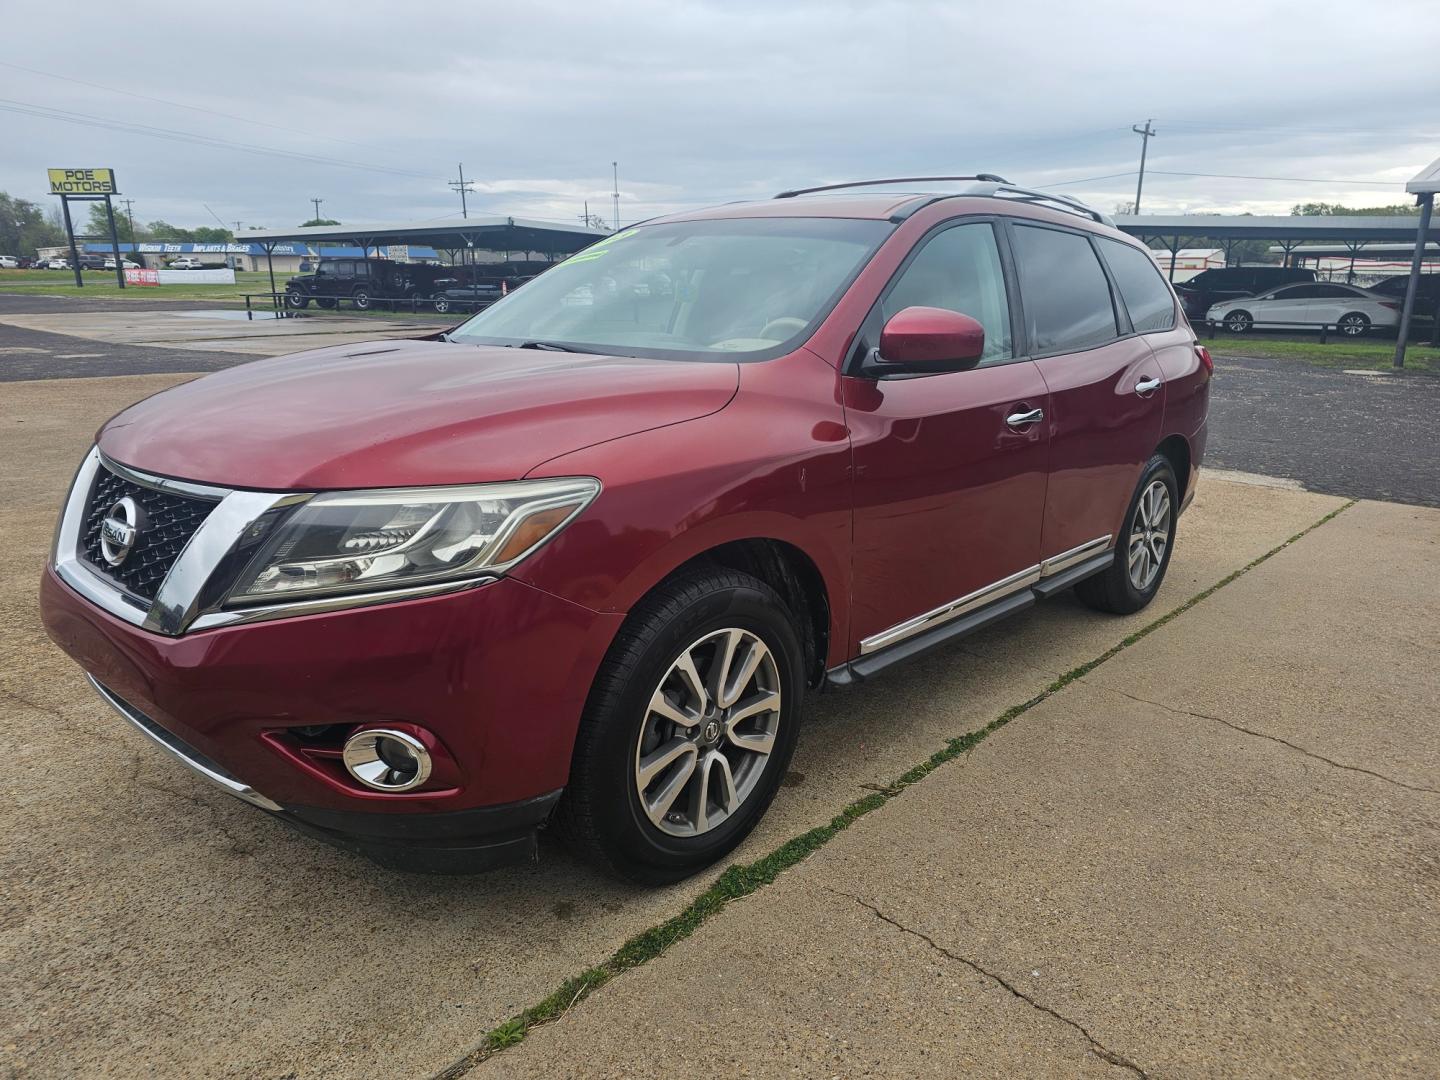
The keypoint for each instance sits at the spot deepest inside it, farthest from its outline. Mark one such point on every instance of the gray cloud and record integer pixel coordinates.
(706, 102)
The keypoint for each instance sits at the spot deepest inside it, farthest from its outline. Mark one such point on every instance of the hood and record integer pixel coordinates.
(404, 413)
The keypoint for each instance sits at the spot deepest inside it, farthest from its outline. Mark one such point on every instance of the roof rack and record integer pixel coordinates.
(986, 185)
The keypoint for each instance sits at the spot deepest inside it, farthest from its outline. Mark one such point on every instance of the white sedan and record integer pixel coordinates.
(1309, 304)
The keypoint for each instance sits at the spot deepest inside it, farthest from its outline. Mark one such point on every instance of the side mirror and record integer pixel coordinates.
(927, 341)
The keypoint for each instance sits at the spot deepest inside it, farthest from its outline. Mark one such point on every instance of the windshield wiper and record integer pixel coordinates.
(550, 346)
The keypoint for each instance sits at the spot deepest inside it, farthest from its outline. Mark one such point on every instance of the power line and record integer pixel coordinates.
(47, 112)
(183, 105)
(1286, 179)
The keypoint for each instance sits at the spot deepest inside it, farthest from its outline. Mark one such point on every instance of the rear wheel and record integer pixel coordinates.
(689, 728)
(1238, 322)
(1354, 324)
(1143, 553)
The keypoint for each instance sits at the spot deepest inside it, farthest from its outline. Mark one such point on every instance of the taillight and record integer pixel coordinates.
(1205, 359)
(1390, 304)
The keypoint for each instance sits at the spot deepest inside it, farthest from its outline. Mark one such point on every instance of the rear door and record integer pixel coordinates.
(1106, 389)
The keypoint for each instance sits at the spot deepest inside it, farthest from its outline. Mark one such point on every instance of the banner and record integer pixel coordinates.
(138, 276)
(196, 277)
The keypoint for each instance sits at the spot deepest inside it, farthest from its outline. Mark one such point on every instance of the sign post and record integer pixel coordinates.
(87, 185)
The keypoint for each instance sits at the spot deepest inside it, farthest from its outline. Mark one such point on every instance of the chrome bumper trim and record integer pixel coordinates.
(182, 753)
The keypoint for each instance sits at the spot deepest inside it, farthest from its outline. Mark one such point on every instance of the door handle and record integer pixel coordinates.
(1146, 386)
(1025, 419)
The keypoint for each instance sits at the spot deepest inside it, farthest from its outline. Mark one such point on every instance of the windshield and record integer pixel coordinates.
(735, 289)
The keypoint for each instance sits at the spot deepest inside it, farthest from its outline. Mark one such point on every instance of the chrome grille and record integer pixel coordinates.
(170, 520)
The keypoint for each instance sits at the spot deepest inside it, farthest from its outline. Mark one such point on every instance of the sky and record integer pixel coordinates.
(227, 112)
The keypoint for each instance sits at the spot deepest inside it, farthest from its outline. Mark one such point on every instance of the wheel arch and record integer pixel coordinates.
(1176, 449)
(792, 573)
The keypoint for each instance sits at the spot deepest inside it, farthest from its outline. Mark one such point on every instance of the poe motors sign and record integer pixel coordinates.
(87, 185)
(82, 182)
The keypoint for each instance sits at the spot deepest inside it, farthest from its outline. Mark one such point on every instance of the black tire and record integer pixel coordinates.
(1115, 590)
(1239, 322)
(361, 299)
(1354, 324)
(296, 299)
(600, 814)
(329, 303)
(442, 305)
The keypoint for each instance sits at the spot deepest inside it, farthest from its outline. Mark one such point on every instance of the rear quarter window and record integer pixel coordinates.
(1142, 289)
(1063, 290)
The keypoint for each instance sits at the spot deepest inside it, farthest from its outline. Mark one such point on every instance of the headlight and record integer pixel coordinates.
(361, 541)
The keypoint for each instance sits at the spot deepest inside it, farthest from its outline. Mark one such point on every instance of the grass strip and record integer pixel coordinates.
(742, 879)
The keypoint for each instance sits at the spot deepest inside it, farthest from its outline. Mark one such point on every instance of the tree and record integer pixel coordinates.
(25, 226)
(163, 230)
(207, 234)
(318, 221)
(1325, 209)
(98, 224)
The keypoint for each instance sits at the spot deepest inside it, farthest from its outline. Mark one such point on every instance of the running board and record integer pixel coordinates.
(868, 666)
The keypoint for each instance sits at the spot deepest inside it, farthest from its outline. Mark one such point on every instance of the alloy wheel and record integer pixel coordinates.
(1149, 535)
(1354, 325)
(709, 729)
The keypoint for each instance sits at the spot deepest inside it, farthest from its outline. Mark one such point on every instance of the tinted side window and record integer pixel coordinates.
(1294, 292)
(1332, 292)
(1141, 287)
(959, 270)
(1066, 297)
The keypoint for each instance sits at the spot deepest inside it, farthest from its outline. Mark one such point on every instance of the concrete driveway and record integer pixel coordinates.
(1186, 891)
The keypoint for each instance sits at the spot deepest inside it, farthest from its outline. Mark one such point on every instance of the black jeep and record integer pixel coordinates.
(364, 282)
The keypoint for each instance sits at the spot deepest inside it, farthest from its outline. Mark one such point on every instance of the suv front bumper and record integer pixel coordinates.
(498, 674)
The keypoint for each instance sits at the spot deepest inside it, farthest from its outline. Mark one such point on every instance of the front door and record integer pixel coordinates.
(1105, 385)
(1289, 305)
(949, 469)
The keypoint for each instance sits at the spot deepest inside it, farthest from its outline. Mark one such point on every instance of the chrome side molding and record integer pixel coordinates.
(1022, 579)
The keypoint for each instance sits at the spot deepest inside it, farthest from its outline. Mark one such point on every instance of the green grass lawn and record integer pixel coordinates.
(1374, 353)
(62, 283)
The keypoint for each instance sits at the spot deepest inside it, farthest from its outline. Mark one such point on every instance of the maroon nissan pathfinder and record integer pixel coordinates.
(576, 563)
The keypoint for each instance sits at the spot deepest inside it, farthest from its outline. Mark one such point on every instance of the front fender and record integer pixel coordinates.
(774, 464)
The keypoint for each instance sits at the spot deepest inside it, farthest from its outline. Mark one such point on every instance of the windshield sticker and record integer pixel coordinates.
(597, 251)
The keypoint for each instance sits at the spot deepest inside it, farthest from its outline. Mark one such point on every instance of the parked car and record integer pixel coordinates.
(452, 296)
(1427, 292)
(185, 262)
(93, 262)
(1353, 310)
(580, 564)
(57, 264)
(1214, 286)
(9, 262)
(125, 264)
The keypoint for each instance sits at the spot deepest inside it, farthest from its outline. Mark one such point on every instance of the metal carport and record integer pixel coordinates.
(1291, 231)
(468, 234)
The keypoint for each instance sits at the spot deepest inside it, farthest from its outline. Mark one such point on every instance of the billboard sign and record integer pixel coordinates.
(82, 182)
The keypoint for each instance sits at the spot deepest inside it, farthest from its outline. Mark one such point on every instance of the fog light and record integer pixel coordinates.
(387, 760)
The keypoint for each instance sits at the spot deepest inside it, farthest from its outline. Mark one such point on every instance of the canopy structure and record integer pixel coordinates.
(1291, 231)
(465, 234)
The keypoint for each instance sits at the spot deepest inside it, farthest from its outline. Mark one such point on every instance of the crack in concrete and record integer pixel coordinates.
(1263, 735)
(1099, 1049)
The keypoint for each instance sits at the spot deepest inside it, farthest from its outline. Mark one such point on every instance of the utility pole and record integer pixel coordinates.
(130, 214)
(317, 203)
(1146, 134)
(461, 186)
(237, 227)
(615, 173)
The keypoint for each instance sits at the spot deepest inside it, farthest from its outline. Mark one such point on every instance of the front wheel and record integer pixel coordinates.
(1354, 325)
(442, 305)
(1143, 553)
(297, 299)
(1238, 322)
(688, 730)
(361, 299)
